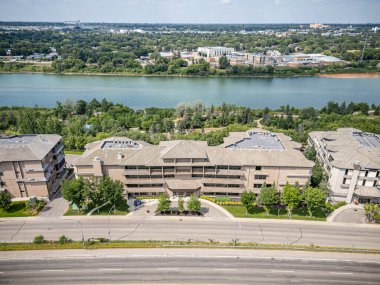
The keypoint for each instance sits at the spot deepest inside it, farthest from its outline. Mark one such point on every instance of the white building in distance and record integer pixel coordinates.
(215, 51)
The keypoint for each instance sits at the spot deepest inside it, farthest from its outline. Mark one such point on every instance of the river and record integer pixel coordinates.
(139, 92)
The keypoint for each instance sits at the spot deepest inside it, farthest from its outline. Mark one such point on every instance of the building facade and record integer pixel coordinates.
(352, 160)
(31, 165)
(245, 161)
(215, 51)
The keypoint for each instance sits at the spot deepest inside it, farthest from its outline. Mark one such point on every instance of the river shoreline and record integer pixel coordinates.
(326, 75)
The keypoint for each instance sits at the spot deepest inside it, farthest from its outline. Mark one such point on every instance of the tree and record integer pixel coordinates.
(291, 197)
(371, 210)
(318, 175)
(112, 191)
(5, 200)
(267, 198)
(194, 204)
(224, 62)
(310, 153)
(163, 203)
(73, 190)
(181, 205)
(80, 107)
(314, 199)
(247, 199)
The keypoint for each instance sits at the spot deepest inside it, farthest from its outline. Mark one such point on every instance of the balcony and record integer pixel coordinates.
(58, 148)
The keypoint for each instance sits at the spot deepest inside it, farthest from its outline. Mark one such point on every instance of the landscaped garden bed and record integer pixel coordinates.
(175, 212)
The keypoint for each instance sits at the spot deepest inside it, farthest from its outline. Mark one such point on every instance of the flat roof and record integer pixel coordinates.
(259, 140)
(367, 140)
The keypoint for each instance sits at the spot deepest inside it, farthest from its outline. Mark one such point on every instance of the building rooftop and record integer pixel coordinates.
(255, 147)
(259, 140)
(348, 146)
(26, 147)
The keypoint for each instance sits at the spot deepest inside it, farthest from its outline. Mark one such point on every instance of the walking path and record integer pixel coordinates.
(350, 213)
(56, 207)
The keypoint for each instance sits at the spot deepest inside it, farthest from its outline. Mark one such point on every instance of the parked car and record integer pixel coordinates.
(137, 202)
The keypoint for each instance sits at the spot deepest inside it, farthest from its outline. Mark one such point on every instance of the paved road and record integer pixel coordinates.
(188, 267)
(203, 229)
(56, 208)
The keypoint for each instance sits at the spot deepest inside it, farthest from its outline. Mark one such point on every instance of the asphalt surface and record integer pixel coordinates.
(196, 229)
(219, 267)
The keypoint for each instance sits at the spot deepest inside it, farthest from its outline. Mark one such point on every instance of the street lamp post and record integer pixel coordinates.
(109, 227)
(81, 230)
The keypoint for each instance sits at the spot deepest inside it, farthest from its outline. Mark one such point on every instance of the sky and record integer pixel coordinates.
(193, 11)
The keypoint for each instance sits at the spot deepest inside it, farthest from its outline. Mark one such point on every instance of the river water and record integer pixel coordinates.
(139, 92)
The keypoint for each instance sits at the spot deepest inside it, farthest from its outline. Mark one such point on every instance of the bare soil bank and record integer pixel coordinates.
(352, 75)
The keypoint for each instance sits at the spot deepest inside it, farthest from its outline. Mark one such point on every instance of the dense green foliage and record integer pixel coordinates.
(97, 50)
(94, 192)
(314, 199)
(83, 122)
(268, 197)
(5, 200)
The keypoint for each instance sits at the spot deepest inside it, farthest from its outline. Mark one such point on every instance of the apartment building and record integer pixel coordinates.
(245, 161)
(215, 51)
(31, 165)
(352, 160)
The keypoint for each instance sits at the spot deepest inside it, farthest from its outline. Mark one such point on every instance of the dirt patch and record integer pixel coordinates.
(352, 75)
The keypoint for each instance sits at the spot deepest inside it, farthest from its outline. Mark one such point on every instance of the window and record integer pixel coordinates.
(344, 180)
(131, 167)
(257, 185)
(235, 167)
(1, 173)
(222, 167)
(363, 183)
(196, 175)
(169, 176)
(374, 183)
(366, 173)
(260, 177)
(346, 172)
(258, 168)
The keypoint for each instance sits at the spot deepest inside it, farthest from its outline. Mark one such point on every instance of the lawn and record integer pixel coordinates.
(103, 211)
(17, 209)
(80, 152)
(274, 213)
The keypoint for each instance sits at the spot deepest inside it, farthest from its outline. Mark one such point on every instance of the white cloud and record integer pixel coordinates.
(225, 2)
(278, 2)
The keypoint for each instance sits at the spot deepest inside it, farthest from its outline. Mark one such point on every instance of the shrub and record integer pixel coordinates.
(194, 204)
(35, 205)
(63, 239)
(339, 204)
(39, 239)
(5, 200)
(223, 199)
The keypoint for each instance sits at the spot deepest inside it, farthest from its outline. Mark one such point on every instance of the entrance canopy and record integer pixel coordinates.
(365, 191)
(177, 184)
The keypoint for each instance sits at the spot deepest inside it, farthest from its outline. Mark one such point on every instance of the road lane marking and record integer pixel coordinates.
(283, 271)
(110, 269)
(224, 269)
(52, 270)
(167, 268)
(341, 273)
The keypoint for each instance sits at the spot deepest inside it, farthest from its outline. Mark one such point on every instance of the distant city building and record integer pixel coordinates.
(301, 59)
(352, 161)
(318, 26)
(246, 160)
(215, 51)
(31, 165)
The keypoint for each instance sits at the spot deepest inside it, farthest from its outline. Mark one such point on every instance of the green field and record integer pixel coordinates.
(103, 211)
(256, 212)
(79, 152)
(17, 209)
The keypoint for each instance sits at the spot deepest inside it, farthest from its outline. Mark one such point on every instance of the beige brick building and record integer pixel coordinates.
(246, 160)
(352, 160)
(31, 165)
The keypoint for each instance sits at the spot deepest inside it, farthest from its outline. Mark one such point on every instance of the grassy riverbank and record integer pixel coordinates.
(324, 71)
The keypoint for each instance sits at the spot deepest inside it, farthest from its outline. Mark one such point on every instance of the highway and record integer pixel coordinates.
(187, 266)
(196, 229)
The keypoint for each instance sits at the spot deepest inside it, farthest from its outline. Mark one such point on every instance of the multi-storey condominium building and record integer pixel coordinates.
(215, 51)
(352, 160)
(246, 160)
(31, 165)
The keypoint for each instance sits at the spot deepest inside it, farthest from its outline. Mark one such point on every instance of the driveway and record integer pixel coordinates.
(351, 215)
(56, 207)
(208, 209)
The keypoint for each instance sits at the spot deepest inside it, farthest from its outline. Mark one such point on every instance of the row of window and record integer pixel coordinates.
(221, 185)
(374, 184)
(366, 172)
(261, 185)
(199, 168)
